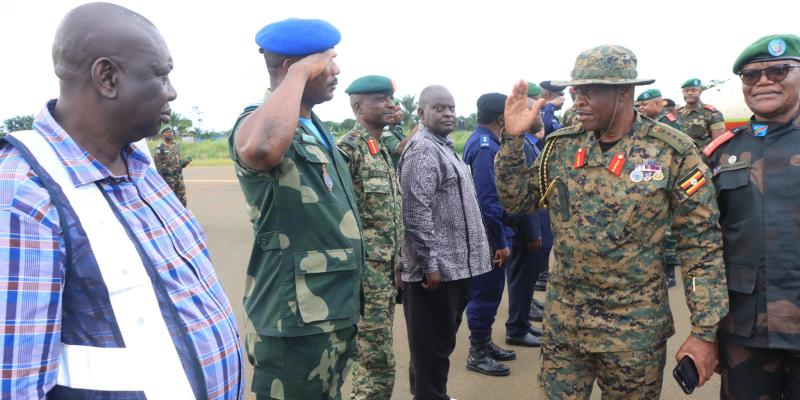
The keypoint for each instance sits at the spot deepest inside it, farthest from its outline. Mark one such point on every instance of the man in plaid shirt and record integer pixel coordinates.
(106, 286)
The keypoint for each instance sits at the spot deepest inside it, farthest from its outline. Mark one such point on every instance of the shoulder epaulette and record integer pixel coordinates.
(719, 141)
(567, 131)
(671, 117)
(350, 139)
(671, 136)
(709, 107)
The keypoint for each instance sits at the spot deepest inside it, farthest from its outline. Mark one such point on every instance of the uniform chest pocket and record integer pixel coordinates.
(377, 181)
(316, 179)
(732, 183)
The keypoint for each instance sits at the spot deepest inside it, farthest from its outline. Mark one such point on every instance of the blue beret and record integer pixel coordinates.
(298, 37)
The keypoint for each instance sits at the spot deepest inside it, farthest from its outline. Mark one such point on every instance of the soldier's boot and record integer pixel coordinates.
(501, 354)
(481, 361)
(541, 283)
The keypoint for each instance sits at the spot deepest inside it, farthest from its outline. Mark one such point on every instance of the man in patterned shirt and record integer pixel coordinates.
(106, 284)
(445, 242)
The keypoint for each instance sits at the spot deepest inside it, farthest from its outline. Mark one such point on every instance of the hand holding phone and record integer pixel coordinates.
(686, 375)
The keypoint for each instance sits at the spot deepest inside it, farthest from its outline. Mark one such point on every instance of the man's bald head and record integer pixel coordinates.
(96, 30)
(437, 109)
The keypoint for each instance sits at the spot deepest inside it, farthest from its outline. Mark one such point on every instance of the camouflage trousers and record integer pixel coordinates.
(311, 367)
(567, 373)
(373, 372)
(753, 373)
(175, 182)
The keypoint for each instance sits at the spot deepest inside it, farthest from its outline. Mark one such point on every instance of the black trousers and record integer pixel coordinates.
(523, 270)
(432, 321)
(750, 373)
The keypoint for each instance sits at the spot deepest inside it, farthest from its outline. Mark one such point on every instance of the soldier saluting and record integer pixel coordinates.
(614, 183)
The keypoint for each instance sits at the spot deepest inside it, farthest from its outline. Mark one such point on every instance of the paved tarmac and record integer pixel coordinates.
(215, 198)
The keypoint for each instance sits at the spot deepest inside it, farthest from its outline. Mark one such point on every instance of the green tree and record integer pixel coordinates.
(347, 124)
(178, 123)
(409, 104)
(18, 123)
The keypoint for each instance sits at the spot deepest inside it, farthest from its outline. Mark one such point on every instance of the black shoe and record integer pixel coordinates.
(537, 304)
(481, 361)
(540, 285)
(535, 331)
(501, 354)
(536, 314)
(527, 341)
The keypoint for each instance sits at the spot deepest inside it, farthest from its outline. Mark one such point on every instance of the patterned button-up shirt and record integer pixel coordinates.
(33, 261)
(444, 229)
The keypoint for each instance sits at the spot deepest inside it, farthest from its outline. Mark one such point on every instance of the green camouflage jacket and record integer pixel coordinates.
(607, 289)
(668, 118)
(168, 159)
(570, 117)
(304, 275)
(391, 137)
(379, 202)
(698, 122)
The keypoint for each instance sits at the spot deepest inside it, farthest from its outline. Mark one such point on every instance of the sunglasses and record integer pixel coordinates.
(775, 73)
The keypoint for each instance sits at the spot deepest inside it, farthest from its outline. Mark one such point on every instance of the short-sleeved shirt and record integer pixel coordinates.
(304, 275)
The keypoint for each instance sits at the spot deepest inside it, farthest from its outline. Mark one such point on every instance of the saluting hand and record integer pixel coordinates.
(314, 64)
(517, 116)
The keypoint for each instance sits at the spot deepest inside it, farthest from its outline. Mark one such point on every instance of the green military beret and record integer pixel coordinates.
(694, 82)
(649, 94)
(371, 84)
(166, 128)
(769, 48)
(534, 90)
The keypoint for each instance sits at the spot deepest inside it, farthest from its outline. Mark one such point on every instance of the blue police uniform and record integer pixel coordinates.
(524, 267)
(550, 121)
(486, 290)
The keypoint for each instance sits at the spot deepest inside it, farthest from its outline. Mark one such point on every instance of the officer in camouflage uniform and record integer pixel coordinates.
(651, 105)
(613, 184)
(393, 134)
(170, 164)
(756, 169)
(303, 281)
(378, 193)
(702, 122)
(570, 117)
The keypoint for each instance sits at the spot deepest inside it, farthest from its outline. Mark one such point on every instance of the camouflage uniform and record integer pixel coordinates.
(570, 117)
(303, 281)
(170, 165)
(670, 256)
(699, 121)
(378, 193)
(756, 182)
(669, 118)
(391, 138)
(607, 312)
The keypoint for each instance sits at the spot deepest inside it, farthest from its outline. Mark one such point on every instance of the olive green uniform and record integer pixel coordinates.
(170, 165)
(378, 193)
(302, 291)
(699, 121)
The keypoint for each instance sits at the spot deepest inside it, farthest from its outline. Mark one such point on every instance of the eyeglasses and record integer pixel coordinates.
(775, 73)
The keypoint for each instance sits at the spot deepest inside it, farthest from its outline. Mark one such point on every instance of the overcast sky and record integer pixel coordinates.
(470, 47)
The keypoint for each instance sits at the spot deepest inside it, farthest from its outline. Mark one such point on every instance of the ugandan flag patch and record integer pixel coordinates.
(694, 182)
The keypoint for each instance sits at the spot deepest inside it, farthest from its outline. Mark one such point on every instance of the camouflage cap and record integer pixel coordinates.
(605, 65)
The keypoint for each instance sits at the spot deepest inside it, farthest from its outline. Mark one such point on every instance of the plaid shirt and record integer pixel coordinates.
(33, 260)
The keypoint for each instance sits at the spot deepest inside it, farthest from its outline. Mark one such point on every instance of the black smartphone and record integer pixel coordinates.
(686, 375)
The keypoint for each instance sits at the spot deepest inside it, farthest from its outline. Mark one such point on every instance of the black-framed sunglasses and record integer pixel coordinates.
(775, 73)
